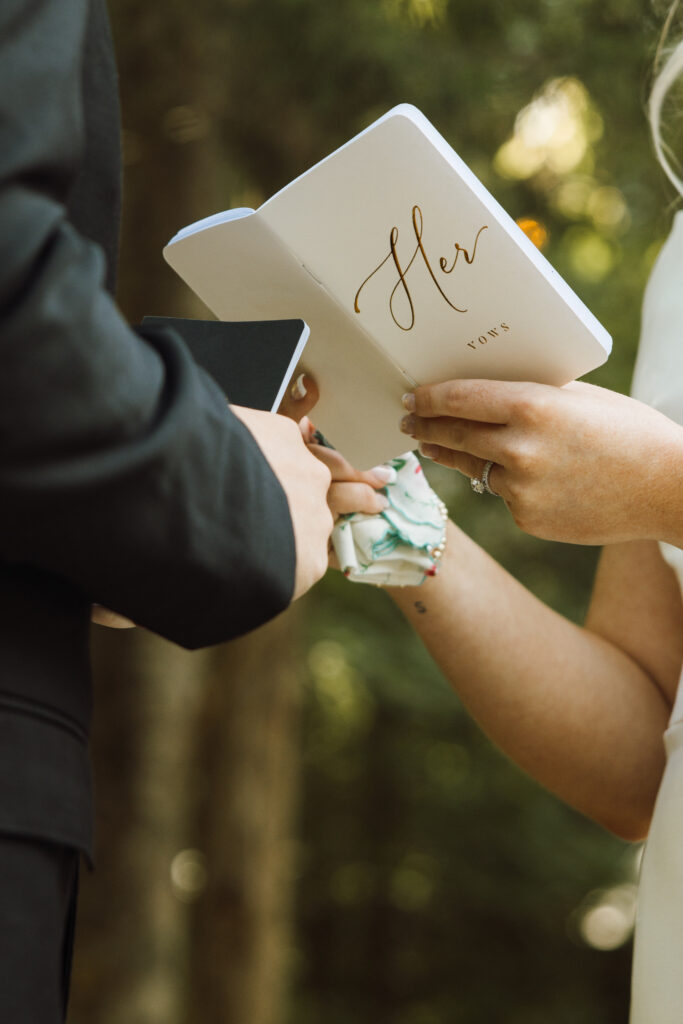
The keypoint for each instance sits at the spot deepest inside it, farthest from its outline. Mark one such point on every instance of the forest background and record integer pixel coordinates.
(304, 825)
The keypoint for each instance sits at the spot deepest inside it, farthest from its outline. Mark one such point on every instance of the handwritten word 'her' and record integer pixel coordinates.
(402, 283)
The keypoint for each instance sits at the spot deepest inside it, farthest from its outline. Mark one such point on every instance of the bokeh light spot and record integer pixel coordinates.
(590, 255)
(188, 875)
(608, 923)
(535, 231)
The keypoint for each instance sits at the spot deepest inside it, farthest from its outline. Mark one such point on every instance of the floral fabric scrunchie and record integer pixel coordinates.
(401, 546)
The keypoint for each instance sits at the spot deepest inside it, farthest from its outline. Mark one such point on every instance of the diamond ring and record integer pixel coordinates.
(485, 478)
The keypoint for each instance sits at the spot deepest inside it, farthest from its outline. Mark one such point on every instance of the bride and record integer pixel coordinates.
(592, 712)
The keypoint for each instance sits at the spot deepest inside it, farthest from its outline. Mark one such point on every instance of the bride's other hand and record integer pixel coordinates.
(579, 464)
(104, 617)
(353, 490)
(301, 396)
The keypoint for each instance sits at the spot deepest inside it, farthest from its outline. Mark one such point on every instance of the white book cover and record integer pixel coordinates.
(406, 270)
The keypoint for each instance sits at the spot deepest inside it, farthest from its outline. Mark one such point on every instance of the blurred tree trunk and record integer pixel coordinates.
(248, 764)
(185, 918)
(132, 934)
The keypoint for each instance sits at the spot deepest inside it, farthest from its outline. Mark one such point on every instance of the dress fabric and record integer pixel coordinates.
(657, 988)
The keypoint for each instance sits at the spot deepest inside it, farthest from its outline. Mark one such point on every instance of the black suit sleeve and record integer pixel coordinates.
(121, 467)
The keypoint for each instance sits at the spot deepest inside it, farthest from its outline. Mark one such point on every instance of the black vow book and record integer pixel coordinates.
(252, 361)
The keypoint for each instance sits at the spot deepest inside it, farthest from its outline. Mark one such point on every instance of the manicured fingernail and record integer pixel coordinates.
(430, 451)
(409, 401)
(298, 388)
(307, 430)
(407, 425)
(383, 502)
(384, 474)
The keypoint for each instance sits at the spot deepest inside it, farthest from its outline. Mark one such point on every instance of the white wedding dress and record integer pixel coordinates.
(657, 996)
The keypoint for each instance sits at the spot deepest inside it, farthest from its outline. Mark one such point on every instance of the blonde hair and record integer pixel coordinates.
(669, 67)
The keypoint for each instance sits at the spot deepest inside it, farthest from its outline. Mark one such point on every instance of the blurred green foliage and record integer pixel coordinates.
(436, 883)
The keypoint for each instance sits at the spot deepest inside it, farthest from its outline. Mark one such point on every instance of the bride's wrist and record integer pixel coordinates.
(433, 584)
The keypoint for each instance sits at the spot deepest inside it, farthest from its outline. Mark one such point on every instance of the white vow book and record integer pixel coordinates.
(406, 270)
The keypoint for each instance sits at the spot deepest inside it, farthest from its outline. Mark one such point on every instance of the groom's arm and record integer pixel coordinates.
(121, 468)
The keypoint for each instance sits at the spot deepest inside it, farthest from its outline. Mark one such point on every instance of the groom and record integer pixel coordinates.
(124, 478)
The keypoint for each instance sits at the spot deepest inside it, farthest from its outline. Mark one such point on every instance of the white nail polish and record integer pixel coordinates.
(387, 474)
(298, 388)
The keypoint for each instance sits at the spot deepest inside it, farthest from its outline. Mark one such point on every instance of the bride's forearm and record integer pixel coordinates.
(570, 707)
(665, 505)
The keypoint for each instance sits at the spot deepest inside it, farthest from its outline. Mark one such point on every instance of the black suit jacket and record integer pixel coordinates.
(124, 478)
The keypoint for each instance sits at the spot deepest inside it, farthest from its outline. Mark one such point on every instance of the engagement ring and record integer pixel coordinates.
(485, 478)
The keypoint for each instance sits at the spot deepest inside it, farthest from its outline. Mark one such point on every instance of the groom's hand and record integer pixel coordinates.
(305, 481)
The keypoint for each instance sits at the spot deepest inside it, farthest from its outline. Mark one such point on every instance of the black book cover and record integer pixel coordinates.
(252, 361)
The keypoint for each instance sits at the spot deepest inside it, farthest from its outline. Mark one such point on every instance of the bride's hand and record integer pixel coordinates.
(300, 398)
(352, 490)
(104, 617)
(580, 463)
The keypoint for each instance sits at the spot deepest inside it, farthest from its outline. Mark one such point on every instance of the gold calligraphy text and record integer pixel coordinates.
(402, 271)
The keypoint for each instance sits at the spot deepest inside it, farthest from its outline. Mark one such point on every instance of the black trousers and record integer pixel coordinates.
(38, 892)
